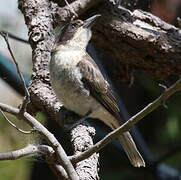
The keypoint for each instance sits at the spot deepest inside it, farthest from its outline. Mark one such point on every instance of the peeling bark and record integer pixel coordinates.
(137, 41)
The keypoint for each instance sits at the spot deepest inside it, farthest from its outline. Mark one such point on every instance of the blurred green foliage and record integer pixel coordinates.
(11, 139)
(16, 170)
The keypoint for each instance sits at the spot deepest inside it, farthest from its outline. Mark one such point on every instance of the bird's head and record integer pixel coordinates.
(77, 33)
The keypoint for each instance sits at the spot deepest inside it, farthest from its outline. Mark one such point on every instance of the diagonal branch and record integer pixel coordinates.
(61, 155)
(136, 40)
(131, 122)
(71, 9)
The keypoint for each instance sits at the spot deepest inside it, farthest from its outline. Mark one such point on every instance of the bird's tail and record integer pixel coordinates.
(131, 150)
(125, 139)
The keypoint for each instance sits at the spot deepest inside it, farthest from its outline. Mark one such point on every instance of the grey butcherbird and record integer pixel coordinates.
(80, 85)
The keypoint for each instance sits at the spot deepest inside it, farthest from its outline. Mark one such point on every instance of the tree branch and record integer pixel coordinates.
(41, 38)
(131, 122)
(61, 155)
(28, 150)
(78, 6)
(82, 139)
(136, 41)
(38, 149)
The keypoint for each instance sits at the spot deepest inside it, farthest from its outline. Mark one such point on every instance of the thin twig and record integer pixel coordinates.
(27, 96)
(132, 121)
(12, 36)
(13, 125)
(163, 86)
(78, 7)
(71, 9)
(28, 150)
(49, 137)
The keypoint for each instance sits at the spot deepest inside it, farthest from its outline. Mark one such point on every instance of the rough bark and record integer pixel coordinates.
(134, 41)
(137, 41)
(40, 25)
(81, 139)
(40, 19)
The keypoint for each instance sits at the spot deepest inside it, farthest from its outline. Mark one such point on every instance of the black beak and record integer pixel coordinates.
(90, 21)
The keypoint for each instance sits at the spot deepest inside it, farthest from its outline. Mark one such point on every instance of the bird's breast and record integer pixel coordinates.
(66, 80)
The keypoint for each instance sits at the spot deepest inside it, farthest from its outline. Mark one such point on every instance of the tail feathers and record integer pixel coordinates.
(131, 150)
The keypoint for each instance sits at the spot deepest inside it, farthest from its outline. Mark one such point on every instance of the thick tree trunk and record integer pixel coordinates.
(137, 41)
(38, 17)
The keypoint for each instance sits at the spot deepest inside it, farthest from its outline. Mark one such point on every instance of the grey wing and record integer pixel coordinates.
(98, 86)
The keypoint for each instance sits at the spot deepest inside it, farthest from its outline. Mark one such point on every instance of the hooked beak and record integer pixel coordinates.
(90, 21)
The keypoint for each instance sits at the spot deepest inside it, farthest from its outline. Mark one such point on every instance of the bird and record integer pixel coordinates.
(79, 84)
